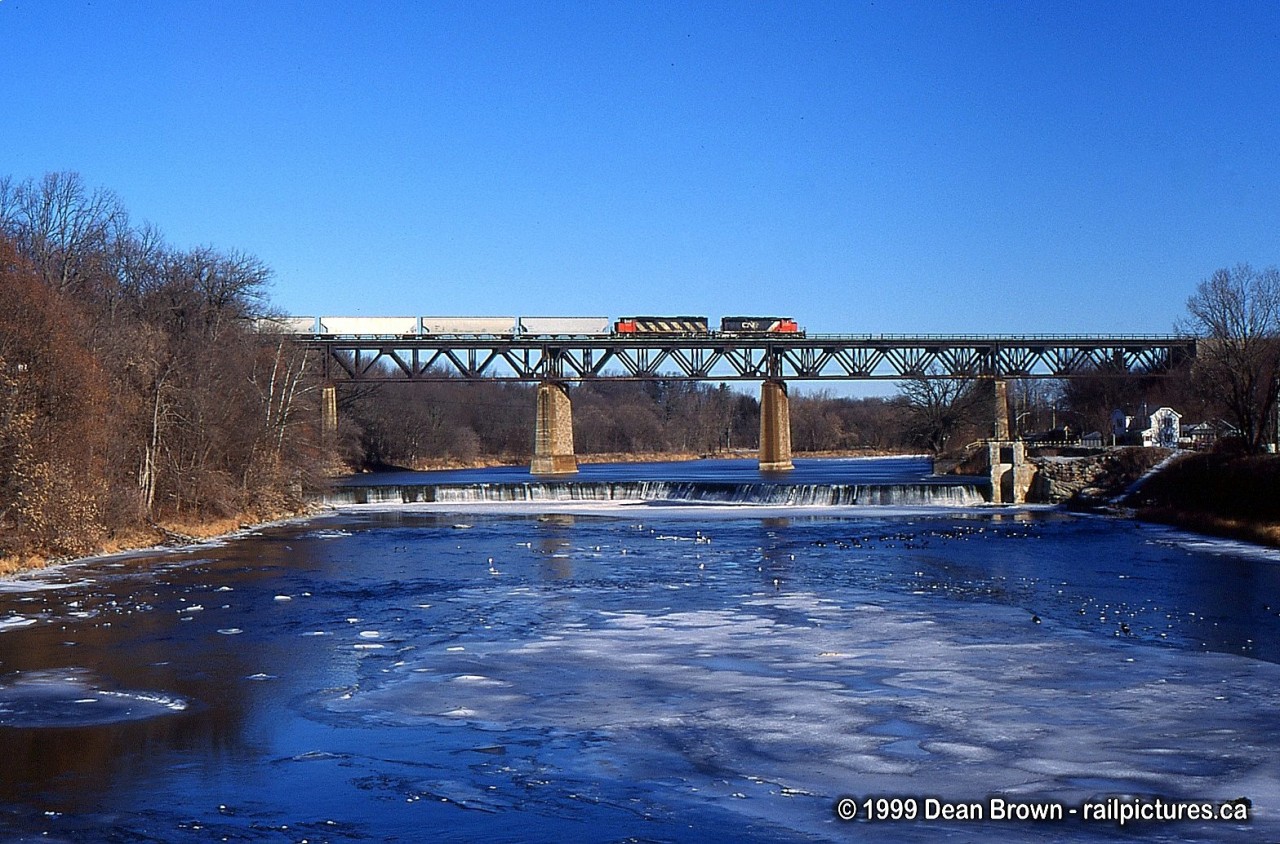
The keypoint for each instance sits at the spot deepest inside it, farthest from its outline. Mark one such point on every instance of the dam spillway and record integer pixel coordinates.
(897, 481)
(902, 495)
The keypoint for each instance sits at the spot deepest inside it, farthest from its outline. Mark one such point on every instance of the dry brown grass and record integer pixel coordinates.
(643, 457)
(129, 539)
(1262, 533)
(435, 464)
(201, 528)
(14, 564)
(1219, 494)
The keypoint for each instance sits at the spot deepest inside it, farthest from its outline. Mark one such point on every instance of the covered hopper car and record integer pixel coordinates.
(488, 326)
(567, 326)
(368, 326)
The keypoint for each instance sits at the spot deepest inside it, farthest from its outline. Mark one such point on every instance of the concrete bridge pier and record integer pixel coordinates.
(775, 427)
(328, 412)
(553, 432)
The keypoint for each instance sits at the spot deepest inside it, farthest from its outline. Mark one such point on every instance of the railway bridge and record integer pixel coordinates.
(554, 353)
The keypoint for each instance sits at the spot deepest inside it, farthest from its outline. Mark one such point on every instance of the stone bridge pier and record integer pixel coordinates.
(553, 432)
(1011, 473)
(775, 427)
(328, 412)
(553, 452)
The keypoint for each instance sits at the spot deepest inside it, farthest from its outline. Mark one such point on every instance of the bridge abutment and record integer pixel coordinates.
(775, 427)
(553, 432)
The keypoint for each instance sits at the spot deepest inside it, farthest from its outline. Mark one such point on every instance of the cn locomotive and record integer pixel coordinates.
(683, 325)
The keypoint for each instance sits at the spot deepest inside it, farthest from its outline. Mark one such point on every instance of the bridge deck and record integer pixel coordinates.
(721, 357)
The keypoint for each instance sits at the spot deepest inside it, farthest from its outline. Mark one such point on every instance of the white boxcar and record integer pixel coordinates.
(285, 325)
(564, 325)
(369, 326)
(504, 326)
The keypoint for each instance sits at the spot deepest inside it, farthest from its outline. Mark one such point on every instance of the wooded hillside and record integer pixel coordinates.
(134, 388)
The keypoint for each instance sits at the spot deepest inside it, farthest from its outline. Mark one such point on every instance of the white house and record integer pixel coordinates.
(1162, 428)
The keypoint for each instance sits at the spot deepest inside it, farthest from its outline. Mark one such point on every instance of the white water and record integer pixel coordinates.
(820, 495)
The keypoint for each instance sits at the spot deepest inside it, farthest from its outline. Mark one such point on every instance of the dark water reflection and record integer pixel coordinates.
(405, 675)
(719, 470)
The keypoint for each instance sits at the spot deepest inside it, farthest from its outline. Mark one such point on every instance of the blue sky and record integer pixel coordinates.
(882, 167)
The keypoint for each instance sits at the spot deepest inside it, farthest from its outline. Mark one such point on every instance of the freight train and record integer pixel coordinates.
(427, 326)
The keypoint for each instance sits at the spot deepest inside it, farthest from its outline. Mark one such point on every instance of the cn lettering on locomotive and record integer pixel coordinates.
(759, 325)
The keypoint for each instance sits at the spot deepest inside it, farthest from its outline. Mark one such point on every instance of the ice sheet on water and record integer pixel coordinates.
(1223, 547)
(826, 698)
(14, 621)
(326, 533)
(75, 697)
(55, 577)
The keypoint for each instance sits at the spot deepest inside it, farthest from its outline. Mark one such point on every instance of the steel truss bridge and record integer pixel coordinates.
(721, 357)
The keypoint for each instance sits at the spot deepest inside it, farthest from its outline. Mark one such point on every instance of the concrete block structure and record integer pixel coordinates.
(1011, 473)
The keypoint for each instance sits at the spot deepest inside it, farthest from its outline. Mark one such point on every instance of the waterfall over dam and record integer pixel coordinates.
(906, 481)
(949, 494)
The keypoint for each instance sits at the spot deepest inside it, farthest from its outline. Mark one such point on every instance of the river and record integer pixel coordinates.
(573, 666)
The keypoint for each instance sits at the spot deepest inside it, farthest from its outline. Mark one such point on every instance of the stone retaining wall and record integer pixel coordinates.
(1090, 478)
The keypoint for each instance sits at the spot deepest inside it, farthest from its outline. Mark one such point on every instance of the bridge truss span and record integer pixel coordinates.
(722, 358)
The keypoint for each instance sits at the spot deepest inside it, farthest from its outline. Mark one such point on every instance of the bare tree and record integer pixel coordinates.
(65, 228)
(9, 206)
(938, 408)
(1237, 313)
(816, 424)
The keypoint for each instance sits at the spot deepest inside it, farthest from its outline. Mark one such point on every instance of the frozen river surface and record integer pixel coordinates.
(640, 672)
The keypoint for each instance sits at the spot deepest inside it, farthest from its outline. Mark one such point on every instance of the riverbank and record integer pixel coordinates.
(168, 533)
(1232, 496)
